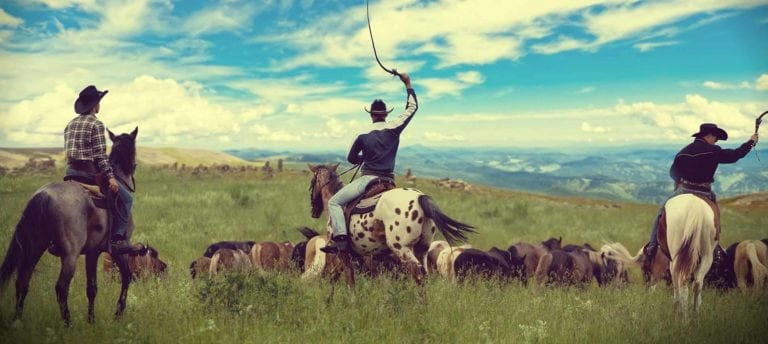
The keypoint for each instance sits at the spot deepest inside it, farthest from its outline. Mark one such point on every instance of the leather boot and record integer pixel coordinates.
(120, 245)
(339, 243)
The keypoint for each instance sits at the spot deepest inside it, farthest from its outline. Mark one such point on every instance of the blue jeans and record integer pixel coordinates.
(347, 194)
(123, 211)
(678, 191)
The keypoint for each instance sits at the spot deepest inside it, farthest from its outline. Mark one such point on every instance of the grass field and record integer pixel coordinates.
(181, 214)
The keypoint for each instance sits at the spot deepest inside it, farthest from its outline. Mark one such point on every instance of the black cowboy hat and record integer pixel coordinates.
(711, 128)
(378, 108)
(88, 98)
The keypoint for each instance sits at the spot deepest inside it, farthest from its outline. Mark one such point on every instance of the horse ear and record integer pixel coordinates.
(312, 168)
(134, 133)
(560, 240)
(111, 136)
(335, 166)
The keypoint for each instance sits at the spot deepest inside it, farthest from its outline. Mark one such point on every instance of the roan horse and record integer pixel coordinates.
(63, 219)
(403, 222)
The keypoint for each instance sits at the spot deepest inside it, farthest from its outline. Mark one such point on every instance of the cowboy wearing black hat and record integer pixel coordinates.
(375, 149)
(693, 171)
(86, 153)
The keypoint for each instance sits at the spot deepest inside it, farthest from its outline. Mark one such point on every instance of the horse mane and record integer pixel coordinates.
(315, 198)
(123, 154)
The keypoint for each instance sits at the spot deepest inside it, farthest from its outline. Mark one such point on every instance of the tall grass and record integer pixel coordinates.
(180, 214)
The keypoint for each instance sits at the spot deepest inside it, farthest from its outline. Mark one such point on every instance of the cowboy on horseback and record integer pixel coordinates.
(86, 153)
(693, 171)
(375, 149)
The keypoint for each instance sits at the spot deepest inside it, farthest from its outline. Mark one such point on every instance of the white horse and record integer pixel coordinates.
(691, 239)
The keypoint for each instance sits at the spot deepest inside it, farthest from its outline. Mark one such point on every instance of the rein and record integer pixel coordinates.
(341, 174)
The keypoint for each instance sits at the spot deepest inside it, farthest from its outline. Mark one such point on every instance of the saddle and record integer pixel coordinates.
(92, 188)
(368, 200)
(662, 235)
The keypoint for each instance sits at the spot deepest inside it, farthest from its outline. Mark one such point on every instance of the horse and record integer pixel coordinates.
(142, 265)
(403, 221)
(62, 218)
(691, 237)
(658, 271)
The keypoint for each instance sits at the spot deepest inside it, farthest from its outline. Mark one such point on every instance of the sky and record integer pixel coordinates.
(297, 74)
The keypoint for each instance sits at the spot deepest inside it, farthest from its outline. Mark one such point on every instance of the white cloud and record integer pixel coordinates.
(593, 129)
(563, 43)
(234, 17)
(648, 46)
(762, 82)
(161, 107)
(471, 77)
(585, 90)
(60, 4)
(681, 119)
(9, 20)
(723, 86)
(439, 137)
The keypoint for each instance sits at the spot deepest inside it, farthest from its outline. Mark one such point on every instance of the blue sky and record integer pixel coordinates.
(297, 74)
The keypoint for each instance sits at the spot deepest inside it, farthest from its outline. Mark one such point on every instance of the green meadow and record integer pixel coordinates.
(181, 213)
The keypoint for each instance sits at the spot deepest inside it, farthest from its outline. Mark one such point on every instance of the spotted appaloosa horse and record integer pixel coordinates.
(404, 221)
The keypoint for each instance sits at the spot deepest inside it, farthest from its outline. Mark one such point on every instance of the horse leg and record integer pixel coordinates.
(91, 265)
(68, 265)
(414, 267)
(26, 267)
(125, 276)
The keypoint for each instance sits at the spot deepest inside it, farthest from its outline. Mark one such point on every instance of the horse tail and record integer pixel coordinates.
(308, 233)
(256, 257)
(31, 218)
(759, 271)
(688, 255)
(214, 267)
(452, 230)
(617, 251)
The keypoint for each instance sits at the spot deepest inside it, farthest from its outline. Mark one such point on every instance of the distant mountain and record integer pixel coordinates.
(628, 174)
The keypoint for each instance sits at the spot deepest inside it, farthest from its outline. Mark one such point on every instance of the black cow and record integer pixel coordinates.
(475, 262)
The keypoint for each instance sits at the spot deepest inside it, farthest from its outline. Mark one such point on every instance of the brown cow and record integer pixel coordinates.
(749, 264)
(533, 252)
(142, 266)
(200, 266)
(560, 267)
(229, 260)
(272, 256)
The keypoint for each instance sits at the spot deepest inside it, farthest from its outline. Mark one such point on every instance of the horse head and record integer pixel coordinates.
(123, 153)
(552, 243)
(322, 176)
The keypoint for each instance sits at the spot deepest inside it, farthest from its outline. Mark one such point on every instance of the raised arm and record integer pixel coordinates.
(411, 105)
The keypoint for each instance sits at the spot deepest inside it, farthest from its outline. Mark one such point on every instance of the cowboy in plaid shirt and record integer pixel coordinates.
(86, 152)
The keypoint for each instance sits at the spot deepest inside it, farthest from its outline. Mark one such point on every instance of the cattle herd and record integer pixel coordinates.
(548, 263)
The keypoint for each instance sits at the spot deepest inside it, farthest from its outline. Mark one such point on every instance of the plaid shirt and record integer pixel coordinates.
(84, 140)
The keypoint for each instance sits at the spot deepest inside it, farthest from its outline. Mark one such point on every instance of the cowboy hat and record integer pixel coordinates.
(711, 128)
(378, 108)
(88, 98)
